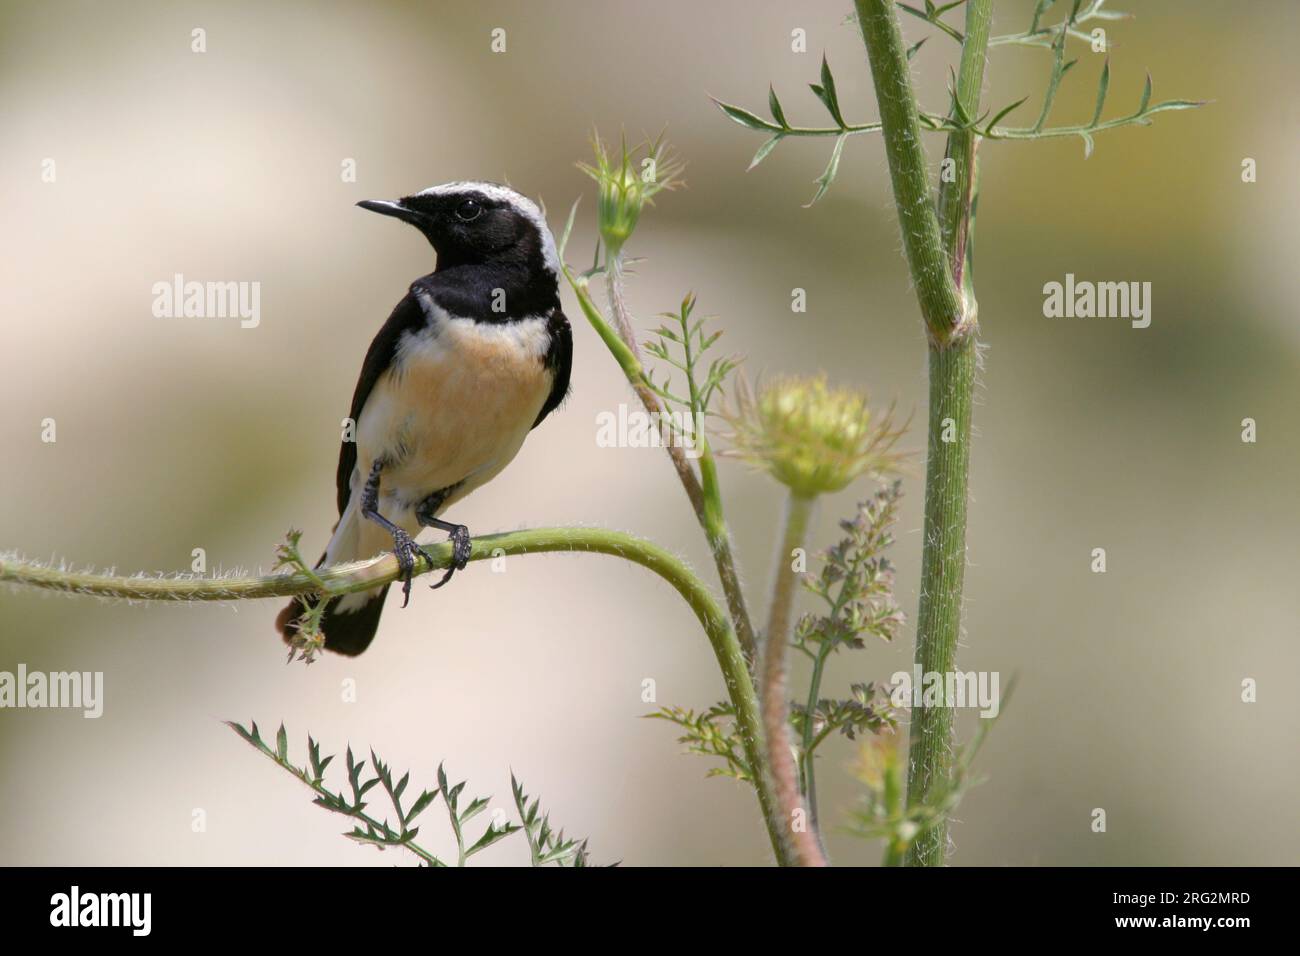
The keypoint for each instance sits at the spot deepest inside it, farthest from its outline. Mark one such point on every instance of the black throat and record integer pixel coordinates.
(506, 288)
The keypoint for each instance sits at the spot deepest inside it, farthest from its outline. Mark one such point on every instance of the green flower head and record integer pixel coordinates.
(811, 437)
(628, 183)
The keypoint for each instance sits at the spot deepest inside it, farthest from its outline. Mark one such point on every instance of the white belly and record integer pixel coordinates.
(453, 411)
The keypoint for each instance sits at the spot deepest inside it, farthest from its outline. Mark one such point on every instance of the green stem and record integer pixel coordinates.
(936, 290)
(706, 498)
(365, 575)
(803, 839)
(956, 194)
(808, 750)
(937, 243)
(943, 564)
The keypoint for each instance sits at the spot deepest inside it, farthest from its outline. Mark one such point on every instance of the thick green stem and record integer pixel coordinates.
(937, 241)
(802, 836)
(943, 564)
(936, 290)
(364, 575)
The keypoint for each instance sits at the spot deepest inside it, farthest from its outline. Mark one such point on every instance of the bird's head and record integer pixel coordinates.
(474, 223)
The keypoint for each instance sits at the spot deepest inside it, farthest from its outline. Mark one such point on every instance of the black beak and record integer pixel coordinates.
(386, 207)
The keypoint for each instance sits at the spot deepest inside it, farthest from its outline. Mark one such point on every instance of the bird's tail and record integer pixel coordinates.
(350, 623)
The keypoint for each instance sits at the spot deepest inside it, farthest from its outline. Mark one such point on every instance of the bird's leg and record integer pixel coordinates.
(461, 546)
(404, 546)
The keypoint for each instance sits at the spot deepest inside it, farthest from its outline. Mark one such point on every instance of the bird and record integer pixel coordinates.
(474, 356)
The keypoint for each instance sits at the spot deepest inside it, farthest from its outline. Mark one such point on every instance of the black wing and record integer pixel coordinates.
(407, 316)
(559, 359)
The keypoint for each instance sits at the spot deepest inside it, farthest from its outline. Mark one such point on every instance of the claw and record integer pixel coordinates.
(461, 549)
(404, 550)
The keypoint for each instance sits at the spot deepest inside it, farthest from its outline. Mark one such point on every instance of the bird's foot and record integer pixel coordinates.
(461, 548)
(405, 549)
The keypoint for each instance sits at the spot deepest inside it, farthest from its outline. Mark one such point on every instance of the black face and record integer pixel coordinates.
(466, 227)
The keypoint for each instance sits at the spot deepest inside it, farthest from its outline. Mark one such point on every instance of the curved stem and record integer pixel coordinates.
(776, 710)
(364, 575)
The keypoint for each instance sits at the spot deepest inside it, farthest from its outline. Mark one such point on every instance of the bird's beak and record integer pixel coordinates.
(387, 207)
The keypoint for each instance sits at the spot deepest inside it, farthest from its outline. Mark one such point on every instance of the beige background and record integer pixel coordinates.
(176, 434)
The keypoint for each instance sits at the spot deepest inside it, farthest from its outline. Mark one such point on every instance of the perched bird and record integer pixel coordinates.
(474, 356)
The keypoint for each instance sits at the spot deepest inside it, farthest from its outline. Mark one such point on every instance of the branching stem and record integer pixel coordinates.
(938, 254)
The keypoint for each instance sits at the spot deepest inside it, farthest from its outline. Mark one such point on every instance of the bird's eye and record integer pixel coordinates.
(468, 211)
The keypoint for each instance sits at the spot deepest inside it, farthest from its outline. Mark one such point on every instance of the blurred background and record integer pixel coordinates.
(176, 434)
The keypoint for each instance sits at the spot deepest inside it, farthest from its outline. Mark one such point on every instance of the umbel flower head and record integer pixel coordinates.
(811, 437)
(627, 183)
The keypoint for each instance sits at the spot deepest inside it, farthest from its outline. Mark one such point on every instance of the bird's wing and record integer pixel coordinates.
(559, 359)
(407, 316)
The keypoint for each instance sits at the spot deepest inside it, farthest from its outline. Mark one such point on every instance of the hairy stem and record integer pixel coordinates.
(364, 575)
(943, 565)
(614, 292)
(776, 713)
(938, 255)
(936, 290)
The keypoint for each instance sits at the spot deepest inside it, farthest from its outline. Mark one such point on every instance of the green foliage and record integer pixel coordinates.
(856, 585)
(309, 641)
(882, 812)
(856, 581)
(933, 15)
(780, 128)
(865, 710)
(710, 733)
(544, 843)
(681, 343)
(627, 182)
(1053, 37)
(546, 846)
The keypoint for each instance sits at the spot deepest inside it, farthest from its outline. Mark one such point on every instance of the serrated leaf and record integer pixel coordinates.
(474, 809)
(401, 786)
(491, 836)
(421, 804)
